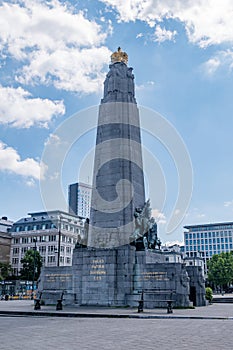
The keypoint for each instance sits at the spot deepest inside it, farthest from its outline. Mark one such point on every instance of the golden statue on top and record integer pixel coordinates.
(119, 56)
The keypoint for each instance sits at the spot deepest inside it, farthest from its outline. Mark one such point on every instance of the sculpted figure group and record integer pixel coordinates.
(145, 228)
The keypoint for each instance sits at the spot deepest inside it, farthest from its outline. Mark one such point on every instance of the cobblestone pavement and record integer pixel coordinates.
(39, 333)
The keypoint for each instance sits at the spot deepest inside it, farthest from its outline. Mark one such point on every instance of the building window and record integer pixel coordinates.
(51, 248)
(68, 260)
(52, 238)
(16, 241)
(68, 250)
(15, 251)
(15, 261)
(24, 249)
(42, 249)
(51, 259)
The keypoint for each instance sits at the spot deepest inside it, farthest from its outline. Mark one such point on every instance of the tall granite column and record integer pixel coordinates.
(118, 181)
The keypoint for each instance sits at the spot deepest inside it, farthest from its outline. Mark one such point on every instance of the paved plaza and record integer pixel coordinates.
(201, 328)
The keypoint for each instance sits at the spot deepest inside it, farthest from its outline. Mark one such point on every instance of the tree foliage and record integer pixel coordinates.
(5, 270)
(220, 269)
(32, 263)
(209, 294)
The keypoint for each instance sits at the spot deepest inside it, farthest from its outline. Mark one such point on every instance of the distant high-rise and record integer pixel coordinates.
(80, 199)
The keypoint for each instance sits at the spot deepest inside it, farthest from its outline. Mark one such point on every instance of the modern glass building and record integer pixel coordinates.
(80, 199)
(208, 239)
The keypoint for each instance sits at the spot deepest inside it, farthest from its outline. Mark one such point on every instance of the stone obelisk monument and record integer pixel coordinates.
(118, 181)
(119, 253)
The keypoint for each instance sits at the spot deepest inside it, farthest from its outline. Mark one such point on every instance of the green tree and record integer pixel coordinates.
(209, 294)
(220, 270)
(32, 263)
(5, 270)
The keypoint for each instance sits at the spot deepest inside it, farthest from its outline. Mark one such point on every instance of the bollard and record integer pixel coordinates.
(59, 304)
(140, 304)
(37, 304)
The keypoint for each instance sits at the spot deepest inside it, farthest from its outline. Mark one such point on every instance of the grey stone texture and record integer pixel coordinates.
(118, 179)
(110, 272)
(119, 84)
(160, 281)
(116, 277)
(197, 285)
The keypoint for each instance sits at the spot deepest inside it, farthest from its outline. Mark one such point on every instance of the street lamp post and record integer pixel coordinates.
(34, 267)
(59, 241)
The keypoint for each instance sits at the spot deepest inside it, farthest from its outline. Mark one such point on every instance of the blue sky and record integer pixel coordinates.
(54, 56)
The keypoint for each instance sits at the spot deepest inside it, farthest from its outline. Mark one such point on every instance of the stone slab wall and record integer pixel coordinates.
(103, 277)
(163, 277)
(116, 277)
(197, 285)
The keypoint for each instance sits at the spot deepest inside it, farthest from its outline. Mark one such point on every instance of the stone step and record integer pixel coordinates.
(226, 300)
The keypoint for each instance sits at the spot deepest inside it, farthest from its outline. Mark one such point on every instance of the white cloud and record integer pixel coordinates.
(54, 41)
(69, 69)
(145, 86)
(19, 109)
(10, 161)
(159, 217)
(161, 34)
(207, 22)
(31, 182)
(219, 60)
(211, 65)
(45, 26)
(139, 35)
(171, 243)
(228, 203)
(53, 139)
(201, 216)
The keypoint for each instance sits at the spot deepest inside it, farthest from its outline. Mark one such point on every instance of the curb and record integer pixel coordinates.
(104, 315)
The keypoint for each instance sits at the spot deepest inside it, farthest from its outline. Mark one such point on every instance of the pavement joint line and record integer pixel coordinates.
(105, 315)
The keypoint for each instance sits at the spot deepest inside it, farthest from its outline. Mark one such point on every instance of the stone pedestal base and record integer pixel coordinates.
(116, 277)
